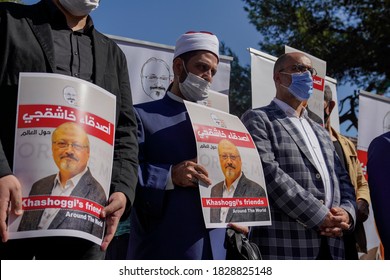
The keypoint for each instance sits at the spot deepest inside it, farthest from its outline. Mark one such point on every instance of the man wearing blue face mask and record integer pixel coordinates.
(58, 36)
(167, 221)
(312, 200)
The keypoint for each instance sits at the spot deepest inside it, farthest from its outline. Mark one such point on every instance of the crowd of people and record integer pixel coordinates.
(317, 193)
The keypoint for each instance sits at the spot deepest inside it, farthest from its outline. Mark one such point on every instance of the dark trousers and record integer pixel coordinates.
(117, 250)
(350, 247)
(324, 253)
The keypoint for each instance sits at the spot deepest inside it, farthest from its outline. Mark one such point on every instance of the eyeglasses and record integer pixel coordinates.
(232, 157)
(301, 68)
(155, 78)
(63, 145)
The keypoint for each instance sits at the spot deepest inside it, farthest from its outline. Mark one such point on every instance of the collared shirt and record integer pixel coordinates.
(73, 49)
(228, 193)
(311, 140)
(49, 213)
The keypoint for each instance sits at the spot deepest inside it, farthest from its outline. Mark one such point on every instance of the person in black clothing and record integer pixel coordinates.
(62, 39)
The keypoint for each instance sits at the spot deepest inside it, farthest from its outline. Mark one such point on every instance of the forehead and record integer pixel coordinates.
(228, 147)
(298, 59)
(155, 66)
(69, 132)
(204, 56)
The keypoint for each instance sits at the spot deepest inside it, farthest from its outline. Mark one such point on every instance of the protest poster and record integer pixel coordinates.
(226, 150)
(63, 156)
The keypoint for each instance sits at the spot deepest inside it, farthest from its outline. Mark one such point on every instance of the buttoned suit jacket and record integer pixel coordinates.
(87, 188)
(20, 24)
(245, 188)
(295, 188)
(168, 224)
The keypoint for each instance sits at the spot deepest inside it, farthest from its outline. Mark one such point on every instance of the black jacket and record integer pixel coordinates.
(26, 45)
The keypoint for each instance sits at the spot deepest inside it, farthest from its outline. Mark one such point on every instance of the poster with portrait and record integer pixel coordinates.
(238, 193)
(63, 157)
(150, 72)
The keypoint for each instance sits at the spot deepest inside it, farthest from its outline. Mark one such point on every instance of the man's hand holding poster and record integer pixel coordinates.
(238, 193)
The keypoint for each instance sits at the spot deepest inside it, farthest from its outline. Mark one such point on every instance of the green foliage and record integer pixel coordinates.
(351, 36)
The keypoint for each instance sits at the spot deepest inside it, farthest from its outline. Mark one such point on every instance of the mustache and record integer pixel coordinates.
(230, 165)
(70, 156)
(158, 88)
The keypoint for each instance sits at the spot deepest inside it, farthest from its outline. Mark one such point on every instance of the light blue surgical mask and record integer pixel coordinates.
(301, 85)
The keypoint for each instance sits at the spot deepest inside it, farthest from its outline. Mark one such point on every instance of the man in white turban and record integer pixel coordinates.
(167, 220)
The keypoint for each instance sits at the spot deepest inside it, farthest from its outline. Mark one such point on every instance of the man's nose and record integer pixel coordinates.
(208, 76)
(69, 149)
(159, 82)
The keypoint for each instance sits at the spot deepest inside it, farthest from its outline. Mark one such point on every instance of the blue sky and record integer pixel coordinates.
(162, 21)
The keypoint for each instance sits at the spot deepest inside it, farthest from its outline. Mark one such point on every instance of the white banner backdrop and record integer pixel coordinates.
(150, 70)
(374, 118)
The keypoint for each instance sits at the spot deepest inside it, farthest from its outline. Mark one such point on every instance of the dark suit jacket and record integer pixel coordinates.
(20, 24)
(245, 188)
(295, 188)
(378, 166)
(87, 188)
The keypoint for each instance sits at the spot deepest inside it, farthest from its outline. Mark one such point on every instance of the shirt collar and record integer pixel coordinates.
(74, 180)
(288, 110)
(58, 19)
(175, 97)
(234, 184)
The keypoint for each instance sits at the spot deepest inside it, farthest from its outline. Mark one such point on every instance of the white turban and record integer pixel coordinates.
(196, 41)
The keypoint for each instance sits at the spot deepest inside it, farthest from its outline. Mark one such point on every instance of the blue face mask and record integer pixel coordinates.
(301, 85)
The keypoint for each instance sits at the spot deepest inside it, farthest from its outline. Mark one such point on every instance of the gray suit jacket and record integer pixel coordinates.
(295, 188)
(245, 188)
(87, 188)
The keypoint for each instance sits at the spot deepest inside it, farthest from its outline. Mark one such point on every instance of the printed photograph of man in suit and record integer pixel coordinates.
(71, 151)
(236, 184)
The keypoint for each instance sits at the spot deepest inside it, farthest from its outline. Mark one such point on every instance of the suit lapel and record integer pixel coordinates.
(281, 117)
(240, 192)
(45, 39)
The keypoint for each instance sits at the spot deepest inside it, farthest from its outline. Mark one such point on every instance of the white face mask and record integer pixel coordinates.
(194, 88)
(79, 7)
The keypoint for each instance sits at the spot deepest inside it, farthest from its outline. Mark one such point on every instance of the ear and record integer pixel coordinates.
(177, 66)
(276, 77)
